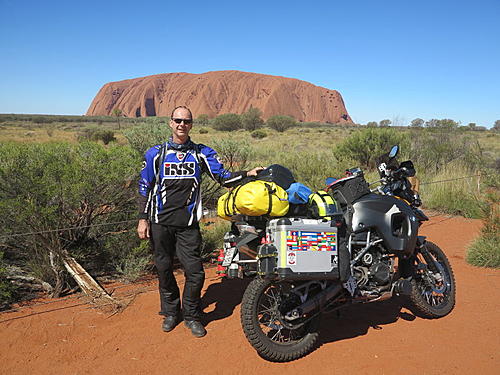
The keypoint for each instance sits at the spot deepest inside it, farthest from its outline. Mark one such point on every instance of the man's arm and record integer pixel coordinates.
(215, 168)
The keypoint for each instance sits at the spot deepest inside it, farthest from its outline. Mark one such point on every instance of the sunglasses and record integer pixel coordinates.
(186, 121)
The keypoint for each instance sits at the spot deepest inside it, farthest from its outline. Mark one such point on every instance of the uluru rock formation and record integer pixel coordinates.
(215, 93)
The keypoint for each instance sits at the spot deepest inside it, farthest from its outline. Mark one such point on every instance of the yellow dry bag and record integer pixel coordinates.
(254, 198)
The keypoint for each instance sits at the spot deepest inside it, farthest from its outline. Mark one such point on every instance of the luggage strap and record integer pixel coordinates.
(270, 194)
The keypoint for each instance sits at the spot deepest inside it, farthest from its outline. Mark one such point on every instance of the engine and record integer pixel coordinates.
(374, 270)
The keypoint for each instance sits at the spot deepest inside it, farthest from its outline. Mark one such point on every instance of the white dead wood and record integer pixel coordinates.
(86, 282)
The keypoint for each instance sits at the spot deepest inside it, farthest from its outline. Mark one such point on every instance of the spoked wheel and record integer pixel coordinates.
(262, 316)
(433, 285)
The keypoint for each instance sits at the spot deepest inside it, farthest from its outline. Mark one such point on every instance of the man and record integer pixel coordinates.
(170, 208)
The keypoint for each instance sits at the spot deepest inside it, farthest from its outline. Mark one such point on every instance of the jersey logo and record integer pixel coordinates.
(179, 169)
(180, 155)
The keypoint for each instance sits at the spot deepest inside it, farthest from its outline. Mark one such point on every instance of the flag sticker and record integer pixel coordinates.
(311, 241)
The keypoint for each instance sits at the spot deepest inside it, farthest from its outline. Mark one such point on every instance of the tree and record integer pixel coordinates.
(117, 112)
(281, 123)
(432, 123)
(443, 123)
(227, 122)
(448, 123)
(472, 125)
(372, 124)
(417, 123)
(496, 126)
(252, 119)
(385, 123)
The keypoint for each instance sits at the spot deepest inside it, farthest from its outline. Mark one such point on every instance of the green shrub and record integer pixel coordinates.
(485, 250)
(365, 146)
(227, 122)
(6, 288)
(203, 131)
(143, 137)
(252, 119)
(96, 134)
(433, 148)
(234, 154)
(203, 120)
(459, 197)
(280, 123)
(127, 255)
(58, 185)
(259, 134)
(213, 237)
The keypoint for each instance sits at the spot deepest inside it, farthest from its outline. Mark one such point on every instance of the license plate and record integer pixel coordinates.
(228, 256)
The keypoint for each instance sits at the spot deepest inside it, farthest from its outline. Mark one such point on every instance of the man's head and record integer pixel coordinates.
(181, 123)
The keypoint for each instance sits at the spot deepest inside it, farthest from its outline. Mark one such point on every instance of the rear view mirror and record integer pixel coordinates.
(394, 151)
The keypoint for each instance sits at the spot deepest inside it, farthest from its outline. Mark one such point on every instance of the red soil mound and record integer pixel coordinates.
(378, 338)
(215, 93)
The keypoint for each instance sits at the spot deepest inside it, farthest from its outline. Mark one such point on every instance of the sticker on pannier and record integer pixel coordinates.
(311, 241)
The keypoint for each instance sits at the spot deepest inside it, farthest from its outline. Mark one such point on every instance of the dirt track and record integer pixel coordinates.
(379, 338)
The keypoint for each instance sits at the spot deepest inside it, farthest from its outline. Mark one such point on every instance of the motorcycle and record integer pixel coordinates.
(368, 250)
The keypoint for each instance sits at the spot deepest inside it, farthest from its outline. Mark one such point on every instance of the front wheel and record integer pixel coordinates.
(262, 316)
(433, 285)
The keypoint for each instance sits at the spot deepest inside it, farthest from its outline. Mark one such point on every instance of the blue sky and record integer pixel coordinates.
(389, 59)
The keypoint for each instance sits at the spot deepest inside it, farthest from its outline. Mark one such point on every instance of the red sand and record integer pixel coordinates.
(379, 338)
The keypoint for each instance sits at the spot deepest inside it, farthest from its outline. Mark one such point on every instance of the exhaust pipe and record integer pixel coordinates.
(317, 302)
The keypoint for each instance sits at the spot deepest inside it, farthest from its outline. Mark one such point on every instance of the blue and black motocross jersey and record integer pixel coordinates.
(173, 196)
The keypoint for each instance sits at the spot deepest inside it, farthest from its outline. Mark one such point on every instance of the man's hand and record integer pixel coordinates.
(143, 229)
(254, 171)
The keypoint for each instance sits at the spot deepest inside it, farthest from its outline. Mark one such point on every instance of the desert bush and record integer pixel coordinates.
(142, 137)
(432, 149)
(259, 134)
(127, 255)
(365, 146)
(96, 134)
(212, 237)
(203, 131)
(57, 185)
(484, 251)
(280, 123)
(227, 122)
(6, 288)
(203, 120)
(252, 119)
(234, 154)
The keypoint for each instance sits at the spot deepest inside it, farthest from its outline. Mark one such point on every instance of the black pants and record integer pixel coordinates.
(186, 243)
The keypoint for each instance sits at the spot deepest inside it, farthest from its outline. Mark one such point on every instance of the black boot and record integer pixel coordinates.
(169, 323)
(196, 328)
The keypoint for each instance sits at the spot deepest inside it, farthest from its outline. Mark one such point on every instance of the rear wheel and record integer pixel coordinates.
(433, 285)
(262, 316)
